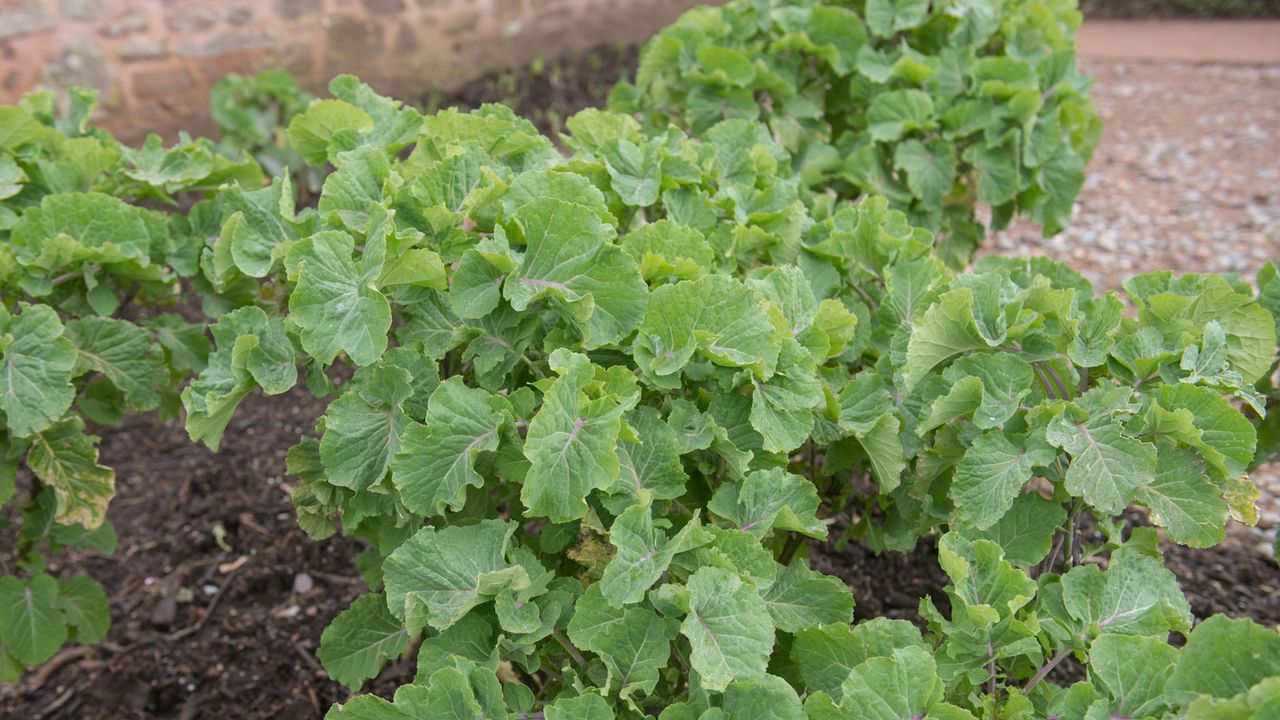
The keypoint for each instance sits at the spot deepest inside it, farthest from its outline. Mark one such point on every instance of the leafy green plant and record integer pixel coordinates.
(86, 274)
(252, 113)
(600, 401)
(937, 106)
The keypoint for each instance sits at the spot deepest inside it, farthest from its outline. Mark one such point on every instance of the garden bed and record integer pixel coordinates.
(211, 622)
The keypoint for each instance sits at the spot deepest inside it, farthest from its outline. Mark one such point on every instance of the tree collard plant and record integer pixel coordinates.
(81, 272)
(253, 112)
(937, 106)
(600, 401)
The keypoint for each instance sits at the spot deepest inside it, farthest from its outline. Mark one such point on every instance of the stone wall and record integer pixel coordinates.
(155, 60)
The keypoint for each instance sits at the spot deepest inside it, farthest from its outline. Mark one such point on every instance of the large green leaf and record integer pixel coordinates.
(991, 474)
(569, 256)
(642, 555)
(360, 640)
(715, 316)
(728, 627)
(31, 623)
(437, 459)
(1224, 657)
(125, 354)
(1106, 467)
(335, 304)
(35, 374)
(1136, 595)
(438, 575)
(362, 427)
(572, 442)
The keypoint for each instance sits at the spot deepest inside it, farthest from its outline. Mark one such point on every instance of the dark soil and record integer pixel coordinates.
(547, 93)
(1184, 9)
(200, 631)
(242, 645)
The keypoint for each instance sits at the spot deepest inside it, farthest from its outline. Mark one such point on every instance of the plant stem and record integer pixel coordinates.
(574, 653)
(1043, 671)
(789, 550)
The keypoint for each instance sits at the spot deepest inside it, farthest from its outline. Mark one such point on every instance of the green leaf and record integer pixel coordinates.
(1183, 500)
(666, 248)
(83, 228)
(360, 640)
(714, 316)
(768, 699)
(12, 177)
(583, 707)
(635, 649)
(728, 627)
(334, 304)
(437, 576)
(568, 256)
(1026, 531)
(885, 17)
(801, 598)
(771, 498)
(825, 655)
(634, 171)
(1099, 320)
(652, 464)
(84, 604)
(997, 165)
(897, 112)
(866, 410)
(255, 229)
(571, 443)
(362, 427)
(357, 185)
(252, 349)
(782, 406)
(314, 131)
(991, 474)
(475, 289)
(35, 369)
(643, 554)
(1106, 467)
(903, 685)
(1227, 439)
(1136, 595)
(947, 328)
(1134, 671)
(64, 458)
(436, 461)
(125, 354)
(931, 169)
(31, 623)
(1224, 657)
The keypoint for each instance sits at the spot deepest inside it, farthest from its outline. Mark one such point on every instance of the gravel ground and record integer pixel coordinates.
(1186, 177)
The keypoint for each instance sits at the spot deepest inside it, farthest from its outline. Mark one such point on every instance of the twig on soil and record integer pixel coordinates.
(335, 578)
(56, 663)
(208, 613)
(307, 657)
(52, 708)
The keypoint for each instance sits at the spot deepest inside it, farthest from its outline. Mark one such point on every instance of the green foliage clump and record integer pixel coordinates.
(600, 400)
(937, 106)
(90, 278)
(252, 113)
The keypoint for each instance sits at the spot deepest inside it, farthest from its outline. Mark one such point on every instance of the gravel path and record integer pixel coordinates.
(1186, 177)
